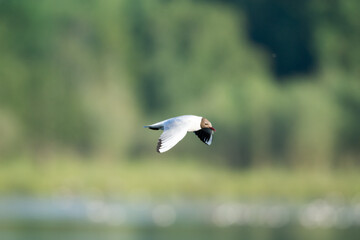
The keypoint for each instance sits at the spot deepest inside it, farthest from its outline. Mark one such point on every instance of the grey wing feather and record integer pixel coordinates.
(174, 132)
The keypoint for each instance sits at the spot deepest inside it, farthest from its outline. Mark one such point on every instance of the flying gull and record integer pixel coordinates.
(176, 128)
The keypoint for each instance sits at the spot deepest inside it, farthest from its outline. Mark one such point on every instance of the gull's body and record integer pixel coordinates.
(176, 128)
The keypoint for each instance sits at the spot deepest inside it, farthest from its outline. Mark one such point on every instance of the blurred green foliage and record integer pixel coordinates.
(84, 76)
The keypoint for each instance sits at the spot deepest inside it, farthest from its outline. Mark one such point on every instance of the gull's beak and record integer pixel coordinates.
(213, 129)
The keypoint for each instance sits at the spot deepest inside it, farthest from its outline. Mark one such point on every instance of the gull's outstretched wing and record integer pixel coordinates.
(174, 131)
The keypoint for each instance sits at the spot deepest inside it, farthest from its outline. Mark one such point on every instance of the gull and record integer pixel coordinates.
(176, 128)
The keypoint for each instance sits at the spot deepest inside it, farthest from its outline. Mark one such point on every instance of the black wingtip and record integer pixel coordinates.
(158, 146)
(205, 135)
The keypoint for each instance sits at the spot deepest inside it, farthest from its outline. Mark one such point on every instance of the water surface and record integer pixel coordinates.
(81, 218)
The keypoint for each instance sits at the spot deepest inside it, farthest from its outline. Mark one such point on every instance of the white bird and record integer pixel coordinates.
(176, 128)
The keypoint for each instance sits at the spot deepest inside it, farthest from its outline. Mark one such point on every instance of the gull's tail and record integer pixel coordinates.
(156, 126)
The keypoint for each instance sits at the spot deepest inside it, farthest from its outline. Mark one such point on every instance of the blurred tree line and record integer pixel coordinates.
(278, 79)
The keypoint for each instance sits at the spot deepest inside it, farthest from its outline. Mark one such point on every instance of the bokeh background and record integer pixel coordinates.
(279, 80)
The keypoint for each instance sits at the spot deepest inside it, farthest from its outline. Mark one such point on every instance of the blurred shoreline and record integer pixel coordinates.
(179, 178)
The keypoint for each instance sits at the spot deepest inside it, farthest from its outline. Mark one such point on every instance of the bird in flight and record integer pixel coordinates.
(176, 128)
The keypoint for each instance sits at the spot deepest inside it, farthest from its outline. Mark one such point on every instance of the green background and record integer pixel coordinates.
(279, 80)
